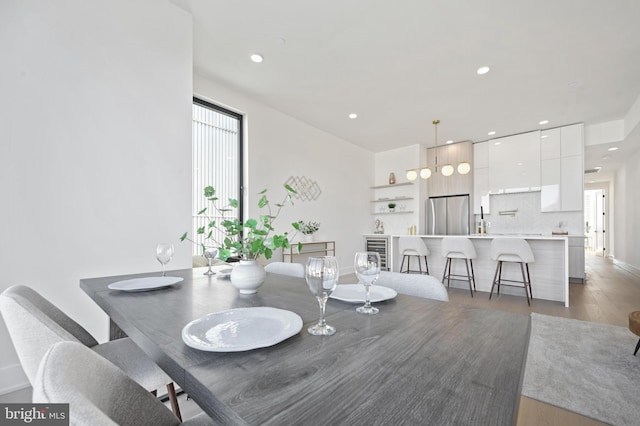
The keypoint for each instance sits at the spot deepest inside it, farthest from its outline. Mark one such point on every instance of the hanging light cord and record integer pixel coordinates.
(435, 123)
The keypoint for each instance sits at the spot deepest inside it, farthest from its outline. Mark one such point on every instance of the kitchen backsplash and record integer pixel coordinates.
(527, 217)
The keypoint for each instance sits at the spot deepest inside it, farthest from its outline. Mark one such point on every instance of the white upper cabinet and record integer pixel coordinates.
(514, 163)
(562, 169)
(481, 177)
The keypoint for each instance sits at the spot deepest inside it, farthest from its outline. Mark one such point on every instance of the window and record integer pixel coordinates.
(217, 159)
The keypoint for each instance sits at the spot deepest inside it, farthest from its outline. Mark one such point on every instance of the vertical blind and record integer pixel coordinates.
(216, 162)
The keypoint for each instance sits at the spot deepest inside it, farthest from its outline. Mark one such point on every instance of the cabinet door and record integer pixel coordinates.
(572, 181)
(571, 140)
(550, 179)
(481, 155)
(549, 144)
(481, 190)
(514, 163)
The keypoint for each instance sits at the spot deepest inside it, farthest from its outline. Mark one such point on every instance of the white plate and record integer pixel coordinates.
(145, 283)
(241, 329)
(355, 293)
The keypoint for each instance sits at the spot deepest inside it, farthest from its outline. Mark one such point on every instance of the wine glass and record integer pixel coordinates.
(321, 274)
(164, 253)
(210, 252)
(367, 266)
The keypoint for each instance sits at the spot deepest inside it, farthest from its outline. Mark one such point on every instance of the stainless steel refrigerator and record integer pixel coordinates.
(448, 215)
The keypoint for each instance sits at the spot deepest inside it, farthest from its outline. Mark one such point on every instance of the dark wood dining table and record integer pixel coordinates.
(418, 361)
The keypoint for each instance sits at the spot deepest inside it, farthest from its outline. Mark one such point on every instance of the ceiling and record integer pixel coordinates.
(400, 65)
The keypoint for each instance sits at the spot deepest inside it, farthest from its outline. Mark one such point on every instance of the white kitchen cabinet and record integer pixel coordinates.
(481, 177)
(571, 183)
(514, 163)
(576, 259)
(562, 169)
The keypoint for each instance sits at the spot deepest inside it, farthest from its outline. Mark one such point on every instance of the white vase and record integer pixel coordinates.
(247, 276)
(308, 238)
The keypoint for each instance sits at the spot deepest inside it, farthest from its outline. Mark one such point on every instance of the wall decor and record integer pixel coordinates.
(307, 189)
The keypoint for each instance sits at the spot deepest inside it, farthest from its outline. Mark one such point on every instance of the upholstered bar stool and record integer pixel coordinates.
(458, 248)
(413, 246)
(512, 250)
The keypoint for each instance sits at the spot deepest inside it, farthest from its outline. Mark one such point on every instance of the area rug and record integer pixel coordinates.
(584, 367)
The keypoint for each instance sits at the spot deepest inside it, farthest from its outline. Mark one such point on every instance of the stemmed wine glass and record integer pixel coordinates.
(164, 253)
(322, 276)
(210, 252)
(367, 266)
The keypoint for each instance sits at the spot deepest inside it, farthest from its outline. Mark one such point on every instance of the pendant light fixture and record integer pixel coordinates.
(446, 170)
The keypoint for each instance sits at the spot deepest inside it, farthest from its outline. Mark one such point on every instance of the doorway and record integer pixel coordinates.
(595, 221)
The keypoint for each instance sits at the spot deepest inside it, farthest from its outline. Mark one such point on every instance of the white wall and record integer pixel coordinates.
(279, 146)
(95, 147)
(627, 204)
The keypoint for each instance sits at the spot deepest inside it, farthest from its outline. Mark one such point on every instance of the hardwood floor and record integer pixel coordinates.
(609, 293)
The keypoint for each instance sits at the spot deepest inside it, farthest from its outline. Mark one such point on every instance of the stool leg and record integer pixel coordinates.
(524, 282)
(468, 277)
(449, 272)
(529, 280)
(494, 279)
(419, 265)
(499, 275)
(473, 275)
(426, 263)
(444, 273)
(637, 347)
(402, 264)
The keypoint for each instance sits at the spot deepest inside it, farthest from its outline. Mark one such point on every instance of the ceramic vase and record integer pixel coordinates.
(247, 276)
(308, 238)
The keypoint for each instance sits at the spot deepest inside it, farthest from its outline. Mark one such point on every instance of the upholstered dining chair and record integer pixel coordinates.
(425, 286)
(35, 324)
(98, 392)
(284, 268)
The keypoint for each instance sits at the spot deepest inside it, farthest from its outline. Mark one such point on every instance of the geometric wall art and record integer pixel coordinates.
(307, 190)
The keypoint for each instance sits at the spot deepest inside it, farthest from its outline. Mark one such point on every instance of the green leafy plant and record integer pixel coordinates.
(392, 205)
(249, 240)
(306, 228)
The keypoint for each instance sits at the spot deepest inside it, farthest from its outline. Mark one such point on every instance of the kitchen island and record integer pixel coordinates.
(549, 272)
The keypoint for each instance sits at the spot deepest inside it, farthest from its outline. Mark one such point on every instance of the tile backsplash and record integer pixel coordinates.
(528, 219)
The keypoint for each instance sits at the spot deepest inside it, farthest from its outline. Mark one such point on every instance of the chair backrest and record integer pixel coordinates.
(457, 248)
(97, 391)
(35, 324)
(414, 285)
(412, 245)
(284, 268)
(511, 250)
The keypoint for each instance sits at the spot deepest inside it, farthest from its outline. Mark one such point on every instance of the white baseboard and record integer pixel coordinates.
(12, 378)
(627, 267)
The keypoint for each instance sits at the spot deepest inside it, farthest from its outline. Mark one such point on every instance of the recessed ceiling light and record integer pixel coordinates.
(483, 70)
(598, 167)
(353, 115)
(544, 122)
(448, 142)
(491, 133)
(257, 58)
(606, 157)
(497, 143)
(613, 148)
(544, 136)
(519, 164)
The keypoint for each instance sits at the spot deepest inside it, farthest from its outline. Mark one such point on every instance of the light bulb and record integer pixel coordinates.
(425, 173)
(412, 175)
(464, 168)
(447, 170)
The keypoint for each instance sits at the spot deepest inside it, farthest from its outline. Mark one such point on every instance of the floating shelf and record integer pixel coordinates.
(405, 212)
(391, 200)
(392, 185)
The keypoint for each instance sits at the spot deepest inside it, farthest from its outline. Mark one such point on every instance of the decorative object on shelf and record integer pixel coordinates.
(249, 240)
(446, 170)
(305, 189)
(307, 229)
(392, 207)
(379, 227)
(392, 178)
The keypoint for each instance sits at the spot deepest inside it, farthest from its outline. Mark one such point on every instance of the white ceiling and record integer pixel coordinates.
(399, 65)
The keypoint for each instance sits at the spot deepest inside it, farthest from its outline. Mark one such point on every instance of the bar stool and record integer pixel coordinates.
(458, 248)
(513, 250)
(413, 246)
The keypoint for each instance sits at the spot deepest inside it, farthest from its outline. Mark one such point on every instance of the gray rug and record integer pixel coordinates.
(584, 367)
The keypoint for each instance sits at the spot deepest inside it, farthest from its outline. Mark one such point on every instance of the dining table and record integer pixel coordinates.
(418, 361)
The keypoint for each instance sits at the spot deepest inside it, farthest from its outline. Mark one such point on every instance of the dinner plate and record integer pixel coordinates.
(241, 329)
(144, 283)
(355, 293)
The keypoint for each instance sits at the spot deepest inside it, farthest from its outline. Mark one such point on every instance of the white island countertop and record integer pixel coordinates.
(549, 271)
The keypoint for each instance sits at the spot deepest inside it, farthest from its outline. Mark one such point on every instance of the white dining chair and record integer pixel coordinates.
(425, 286)
(285, 268)
(35, 324)
(98, 392)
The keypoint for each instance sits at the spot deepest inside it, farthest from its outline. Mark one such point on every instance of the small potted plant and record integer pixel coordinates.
(392, 207)
(306, 228)
(248, 240)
